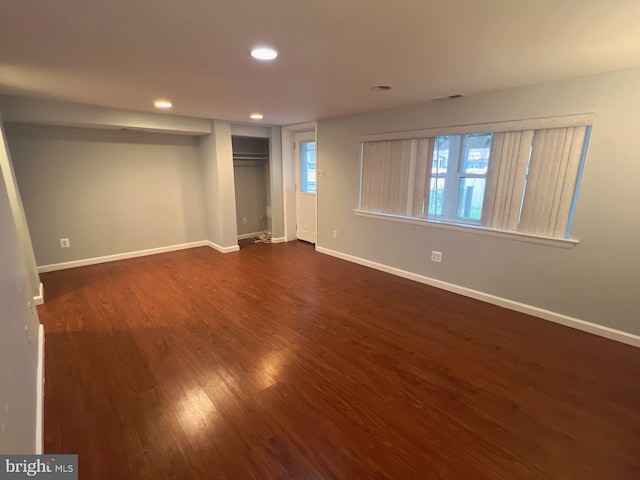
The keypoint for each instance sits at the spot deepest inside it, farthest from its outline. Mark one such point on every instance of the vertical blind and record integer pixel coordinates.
(506, 176)
(395, 177)
(385, 176)
(556, 155)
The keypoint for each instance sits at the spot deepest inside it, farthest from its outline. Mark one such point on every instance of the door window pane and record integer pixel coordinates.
(308, 167)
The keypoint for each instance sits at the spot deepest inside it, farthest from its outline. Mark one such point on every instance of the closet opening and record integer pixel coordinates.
(252, 180)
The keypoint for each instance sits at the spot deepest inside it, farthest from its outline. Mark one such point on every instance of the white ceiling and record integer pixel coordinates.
(126, 53)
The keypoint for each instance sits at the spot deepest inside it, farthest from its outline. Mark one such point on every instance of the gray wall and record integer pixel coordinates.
(19, 216)
(18, 349)
(108, 191)
(35, 111)
(596, 281)
(216, 156)
(266, 176)
(251, 198)
(276, 197)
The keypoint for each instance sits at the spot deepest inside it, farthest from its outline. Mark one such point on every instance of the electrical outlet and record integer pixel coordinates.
(436, 256)
(244, 220)
(64, 243)
(321, 173)
(335, 234)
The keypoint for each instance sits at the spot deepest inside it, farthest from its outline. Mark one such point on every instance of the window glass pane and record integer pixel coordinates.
(436, 195)
(470, 197)
(475, 157)
(308, 167)
(441, 154)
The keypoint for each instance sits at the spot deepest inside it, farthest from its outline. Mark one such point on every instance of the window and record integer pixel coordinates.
(513, 176)
(308, 167)
(458, 177)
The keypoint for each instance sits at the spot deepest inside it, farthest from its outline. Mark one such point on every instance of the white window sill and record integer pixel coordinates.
(475, 230)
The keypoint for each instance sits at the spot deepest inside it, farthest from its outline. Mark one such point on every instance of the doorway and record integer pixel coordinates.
(305, 185)
(252, 187)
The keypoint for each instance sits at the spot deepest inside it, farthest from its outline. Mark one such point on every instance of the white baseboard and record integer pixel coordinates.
(215, 246)
(244, 236)
(279, 240)
(39, 447)
(39, 299)
(610, 333)
(119, 256)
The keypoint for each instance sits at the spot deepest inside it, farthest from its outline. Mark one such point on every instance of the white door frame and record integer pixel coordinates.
(306, 228)
(289, 177)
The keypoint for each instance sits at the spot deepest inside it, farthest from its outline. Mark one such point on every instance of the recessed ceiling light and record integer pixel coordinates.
(381, 88)
(264, 53)
(162, 104)
(257, 116)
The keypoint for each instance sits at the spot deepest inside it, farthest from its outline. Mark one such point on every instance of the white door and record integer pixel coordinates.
(305, 151)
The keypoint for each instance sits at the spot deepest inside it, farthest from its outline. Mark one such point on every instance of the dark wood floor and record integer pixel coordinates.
(278, 362)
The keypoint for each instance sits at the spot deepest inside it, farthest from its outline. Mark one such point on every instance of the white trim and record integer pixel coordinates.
(279, 240)
(244, 236)
(305, 136)
(39, 299)
(288, 184)
(244, 130)
(215, 246)
(610, 333)
(298, 139)
(119, 256)
(585, 119)
(475, 230)
(39, 446)
(301, 127)
(289, 176)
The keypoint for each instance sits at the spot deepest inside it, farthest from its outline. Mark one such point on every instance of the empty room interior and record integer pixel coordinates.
(321, 240)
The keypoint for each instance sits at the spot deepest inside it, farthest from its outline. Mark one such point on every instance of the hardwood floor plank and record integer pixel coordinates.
(280, 363)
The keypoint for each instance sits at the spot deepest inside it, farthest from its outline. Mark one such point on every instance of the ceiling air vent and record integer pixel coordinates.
(445, 99)
(381, 88)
